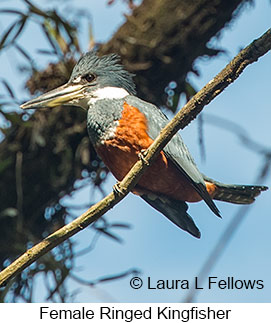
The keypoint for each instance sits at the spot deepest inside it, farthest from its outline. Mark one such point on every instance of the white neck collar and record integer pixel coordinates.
(109, 92)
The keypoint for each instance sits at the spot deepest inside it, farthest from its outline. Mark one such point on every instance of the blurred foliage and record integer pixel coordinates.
(131, 3)
(47, 155)
(41, 159)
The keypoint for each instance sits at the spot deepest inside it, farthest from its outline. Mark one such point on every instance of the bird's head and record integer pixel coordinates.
(92, 78)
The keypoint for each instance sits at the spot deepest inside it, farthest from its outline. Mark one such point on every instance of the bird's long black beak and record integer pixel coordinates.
(66, 94)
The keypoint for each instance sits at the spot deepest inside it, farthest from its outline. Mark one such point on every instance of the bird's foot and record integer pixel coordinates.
(117, 189)
(141, 155)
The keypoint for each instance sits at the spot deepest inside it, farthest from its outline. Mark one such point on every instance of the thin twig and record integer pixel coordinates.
(92, 283)
(230, 73)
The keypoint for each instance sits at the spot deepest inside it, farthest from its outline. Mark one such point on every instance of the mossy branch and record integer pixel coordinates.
(229, 74)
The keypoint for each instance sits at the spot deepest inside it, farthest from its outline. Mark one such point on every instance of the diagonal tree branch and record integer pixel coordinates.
(167, 38)
(229, 74)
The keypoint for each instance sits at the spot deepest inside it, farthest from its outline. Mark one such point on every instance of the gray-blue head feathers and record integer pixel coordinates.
(103, 71)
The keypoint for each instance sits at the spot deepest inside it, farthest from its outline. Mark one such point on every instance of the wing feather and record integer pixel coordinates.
(175, 150)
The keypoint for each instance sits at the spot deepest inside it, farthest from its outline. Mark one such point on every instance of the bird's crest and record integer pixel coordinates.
(107, 68)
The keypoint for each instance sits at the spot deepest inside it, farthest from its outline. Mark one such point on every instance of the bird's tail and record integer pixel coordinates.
(238, 194)
(174, 210)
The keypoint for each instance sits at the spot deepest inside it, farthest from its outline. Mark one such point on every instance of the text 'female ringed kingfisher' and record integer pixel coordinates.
(120, 126)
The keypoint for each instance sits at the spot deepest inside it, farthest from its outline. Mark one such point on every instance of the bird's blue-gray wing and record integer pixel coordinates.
(176, 147)
(174, 210)
(175, 150)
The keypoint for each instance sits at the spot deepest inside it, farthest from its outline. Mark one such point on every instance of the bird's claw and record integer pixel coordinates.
(117, 189)
(141, 155)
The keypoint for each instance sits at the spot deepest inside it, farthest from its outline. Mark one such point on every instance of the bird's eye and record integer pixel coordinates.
(88, 77)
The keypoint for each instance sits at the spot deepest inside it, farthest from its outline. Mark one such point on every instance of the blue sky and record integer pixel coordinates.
(153, 244)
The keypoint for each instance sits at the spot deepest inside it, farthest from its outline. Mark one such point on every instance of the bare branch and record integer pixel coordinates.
(229, 74)
(151, 45)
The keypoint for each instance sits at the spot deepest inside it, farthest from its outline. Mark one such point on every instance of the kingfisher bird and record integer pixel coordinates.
(121, 126)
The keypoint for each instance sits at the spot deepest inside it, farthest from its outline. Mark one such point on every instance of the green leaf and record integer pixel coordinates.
(189, 90)
(175, 102)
